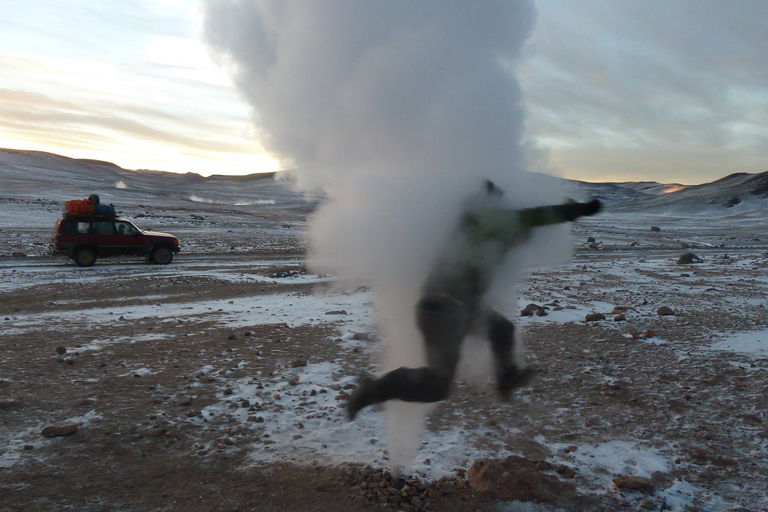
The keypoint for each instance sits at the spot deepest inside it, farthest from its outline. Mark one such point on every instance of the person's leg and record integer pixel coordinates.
(501, 333)
(442, 322)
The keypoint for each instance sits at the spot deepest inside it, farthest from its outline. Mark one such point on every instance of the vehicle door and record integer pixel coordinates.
(104, 233)
(129, 239)
(75, 232)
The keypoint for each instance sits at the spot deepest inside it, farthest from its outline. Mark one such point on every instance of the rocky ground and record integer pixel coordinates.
(129, 387)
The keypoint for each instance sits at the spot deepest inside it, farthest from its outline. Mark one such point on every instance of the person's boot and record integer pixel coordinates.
(362, 397)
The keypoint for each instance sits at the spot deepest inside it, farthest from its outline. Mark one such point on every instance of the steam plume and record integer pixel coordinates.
(399, 109)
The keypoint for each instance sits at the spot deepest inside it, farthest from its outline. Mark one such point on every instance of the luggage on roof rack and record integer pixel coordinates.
(80, 207)
(90, 206)
(105, 209)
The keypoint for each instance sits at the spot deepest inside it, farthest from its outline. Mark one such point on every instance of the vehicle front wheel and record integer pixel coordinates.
(162, 255)
(85, 256)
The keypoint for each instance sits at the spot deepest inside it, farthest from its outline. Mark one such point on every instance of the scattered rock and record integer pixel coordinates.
(665, 311)
(689, 258)
(65, 429)
(61, 350)
(595, 317)
(361, 336)
(294, 380)
(620, 318)
(336, 312)
(655, 229)
(9, 403)
(516, 478)
(296, 363)
(232, 336)
(591, 239)
(533, 309)
(632, 482)
(18, 255)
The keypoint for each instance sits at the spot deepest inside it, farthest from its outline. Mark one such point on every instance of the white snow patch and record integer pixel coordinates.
(748, 343)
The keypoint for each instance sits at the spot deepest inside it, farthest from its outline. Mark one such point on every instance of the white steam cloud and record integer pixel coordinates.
(399, 109)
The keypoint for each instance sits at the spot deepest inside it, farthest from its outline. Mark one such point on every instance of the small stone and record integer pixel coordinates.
(336, 312)
(64, 429)
(361, 336)
(61, 350)
(416, 502)
(296, 363)
(665, 311)
(232, 336)
(689, 258)
(595, 317)
(294, 380)
(533, 309)
(655, 229)
(157, 432)
(632, 482)
(9, 403)
(516, 478)
(620, 318)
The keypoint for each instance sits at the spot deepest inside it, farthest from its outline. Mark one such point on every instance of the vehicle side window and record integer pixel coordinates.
(104, 228)
(125, 228)
(74, 227)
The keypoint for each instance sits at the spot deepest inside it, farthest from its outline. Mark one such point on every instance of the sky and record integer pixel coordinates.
(613, 91)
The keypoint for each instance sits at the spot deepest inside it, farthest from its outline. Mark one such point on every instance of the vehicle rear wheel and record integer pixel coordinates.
(85, 256)
(162, 255)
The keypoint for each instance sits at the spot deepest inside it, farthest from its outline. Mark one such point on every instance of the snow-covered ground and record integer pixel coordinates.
(713, 349)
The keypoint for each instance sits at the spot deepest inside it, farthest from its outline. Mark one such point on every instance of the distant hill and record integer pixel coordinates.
(40, 174)
(740, 192)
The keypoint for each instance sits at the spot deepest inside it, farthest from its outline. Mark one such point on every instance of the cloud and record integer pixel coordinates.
(640, 78)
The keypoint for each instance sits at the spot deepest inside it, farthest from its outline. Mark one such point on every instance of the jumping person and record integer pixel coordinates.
(452, 307)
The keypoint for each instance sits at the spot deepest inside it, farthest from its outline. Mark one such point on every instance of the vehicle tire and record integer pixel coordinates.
(85, 256)
(162, 255)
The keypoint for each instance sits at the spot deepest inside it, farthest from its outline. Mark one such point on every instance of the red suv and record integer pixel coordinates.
(84, 238)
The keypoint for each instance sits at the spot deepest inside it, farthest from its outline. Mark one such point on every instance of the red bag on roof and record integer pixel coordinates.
(80, 207)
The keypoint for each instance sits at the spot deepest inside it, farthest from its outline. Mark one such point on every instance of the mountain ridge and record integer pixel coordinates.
(70, 177)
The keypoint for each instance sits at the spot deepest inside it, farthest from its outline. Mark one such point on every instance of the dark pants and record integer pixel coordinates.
(444, 323)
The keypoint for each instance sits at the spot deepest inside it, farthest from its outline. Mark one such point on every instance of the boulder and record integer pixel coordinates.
(516, 478)
(665, 311)
(689, 258)
(64, 429)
